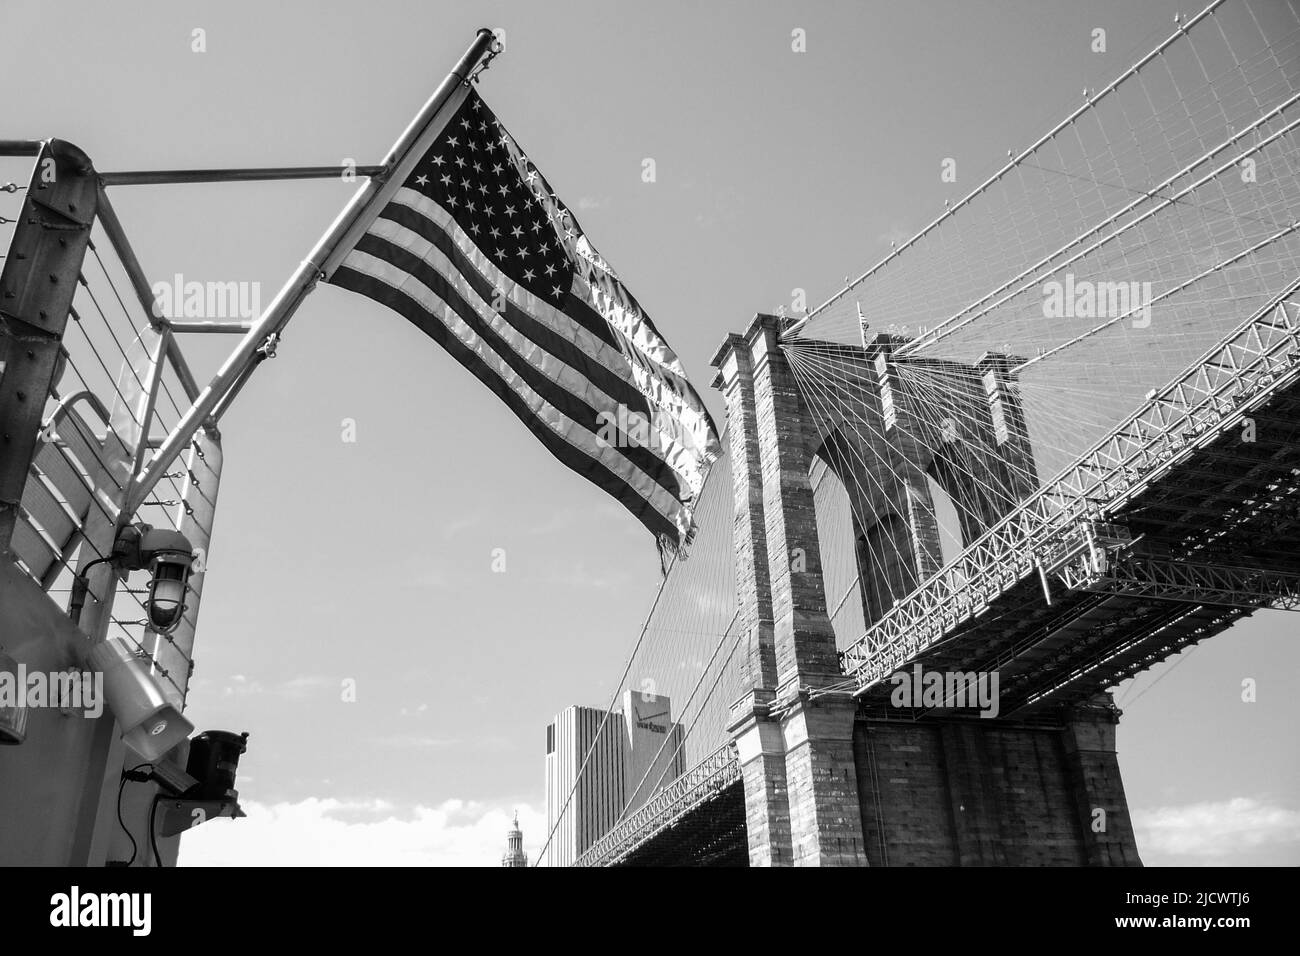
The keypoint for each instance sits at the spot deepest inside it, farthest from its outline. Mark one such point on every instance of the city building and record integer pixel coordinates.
(633, 751)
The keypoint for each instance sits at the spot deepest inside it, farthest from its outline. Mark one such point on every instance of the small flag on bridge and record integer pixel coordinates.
(476, 250)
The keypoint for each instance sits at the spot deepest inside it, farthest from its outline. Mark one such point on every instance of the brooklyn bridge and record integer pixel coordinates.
(1052, 438)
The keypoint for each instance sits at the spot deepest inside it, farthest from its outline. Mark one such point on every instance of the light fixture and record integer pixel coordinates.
(169, 556)
(151, 725)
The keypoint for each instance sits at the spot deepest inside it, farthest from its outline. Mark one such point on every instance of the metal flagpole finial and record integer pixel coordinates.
(493, 51)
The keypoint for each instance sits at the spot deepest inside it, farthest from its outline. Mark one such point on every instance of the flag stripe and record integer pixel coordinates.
(571, 394)
(417, 233)
(570, 441)
(591, 322)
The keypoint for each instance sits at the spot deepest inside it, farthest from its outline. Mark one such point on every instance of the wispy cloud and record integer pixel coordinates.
(295, 689)
(327, 832)
(414, 742)
(490, 743)
(555, 522)
(582, 578)
(1240, 830)
(456, 525)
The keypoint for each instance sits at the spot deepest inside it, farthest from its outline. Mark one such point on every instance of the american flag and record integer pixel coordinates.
(476, 250)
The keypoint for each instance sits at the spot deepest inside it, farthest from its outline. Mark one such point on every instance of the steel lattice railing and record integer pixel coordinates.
(714, 773)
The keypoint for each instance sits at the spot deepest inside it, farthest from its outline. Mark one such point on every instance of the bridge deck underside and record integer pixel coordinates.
(1233, 503)
(710, 834)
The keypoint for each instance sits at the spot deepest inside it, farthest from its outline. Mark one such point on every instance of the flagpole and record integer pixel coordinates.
(347, 228)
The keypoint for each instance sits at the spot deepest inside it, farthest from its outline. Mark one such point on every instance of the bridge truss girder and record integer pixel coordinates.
(1237, 377)
(1189, 582)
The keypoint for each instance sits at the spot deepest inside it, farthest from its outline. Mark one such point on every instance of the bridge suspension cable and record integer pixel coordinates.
(1014, 161)
(1119, 191)
(678, 651)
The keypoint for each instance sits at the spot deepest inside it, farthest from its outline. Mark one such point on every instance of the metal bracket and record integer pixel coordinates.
(179, 814)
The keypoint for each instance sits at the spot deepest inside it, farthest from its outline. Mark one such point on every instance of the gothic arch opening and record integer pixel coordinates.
(835, 535)
(948, 520)
(877, 528)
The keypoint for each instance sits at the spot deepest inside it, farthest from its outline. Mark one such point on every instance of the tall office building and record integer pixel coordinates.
(599, 796)
(634, 748)
(655, 755)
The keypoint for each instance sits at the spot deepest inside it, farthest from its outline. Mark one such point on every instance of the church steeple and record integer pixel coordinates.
(514, 855)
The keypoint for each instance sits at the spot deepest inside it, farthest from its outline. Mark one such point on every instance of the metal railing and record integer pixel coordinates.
(701, 783)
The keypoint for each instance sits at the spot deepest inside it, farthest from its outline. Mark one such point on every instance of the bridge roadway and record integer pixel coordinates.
(1164, 534)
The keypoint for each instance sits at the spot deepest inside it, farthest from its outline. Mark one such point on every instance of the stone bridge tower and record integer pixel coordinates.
(823, 782)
